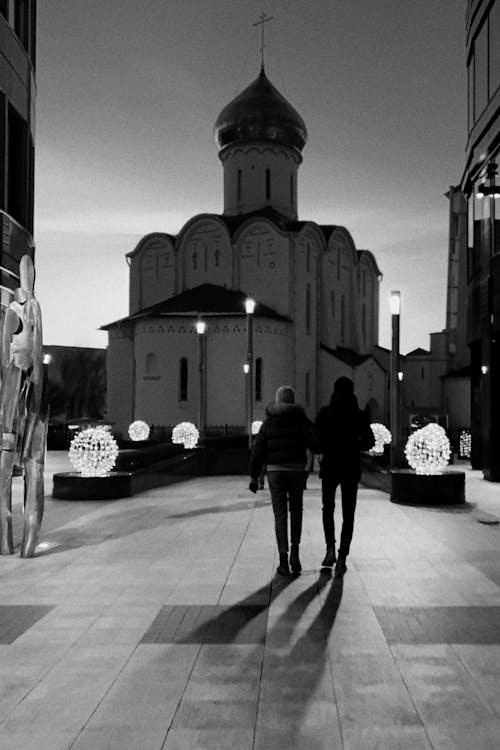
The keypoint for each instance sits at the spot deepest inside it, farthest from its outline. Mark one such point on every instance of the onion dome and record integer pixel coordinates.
(260, 113)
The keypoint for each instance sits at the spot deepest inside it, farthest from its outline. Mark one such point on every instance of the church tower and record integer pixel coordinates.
(261, 137)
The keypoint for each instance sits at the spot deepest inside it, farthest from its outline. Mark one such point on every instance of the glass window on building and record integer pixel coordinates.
(183, 379)
(258, 379)
(494, 46)
(308, 308)
(470, 93)
(481, 71)
(342, 320)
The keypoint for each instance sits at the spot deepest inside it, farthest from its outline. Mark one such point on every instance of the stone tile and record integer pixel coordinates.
(16, 619)
(52, 740)
(119, 738)
(209, 739)
(213, 714)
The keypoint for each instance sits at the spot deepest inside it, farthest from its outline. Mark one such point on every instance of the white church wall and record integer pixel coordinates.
(263, 264)
(160, 345)
(330, 302)
(370, 386)
(152, 272)
(307, 254)
(259, 175)
(272, 343)
(331, 369)
(205, 254)
(120, 380)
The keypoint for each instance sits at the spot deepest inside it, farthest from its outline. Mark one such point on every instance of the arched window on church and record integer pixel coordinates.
(238, 186)
(308, 257)
(363, 322)
(183, 379)
(307, 388)
(150, 364)
(308, 308)
(258, 379)
(268, 184)
(342, 320)
(292, 192)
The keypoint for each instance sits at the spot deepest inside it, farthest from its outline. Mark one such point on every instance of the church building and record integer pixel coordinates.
(316, 294)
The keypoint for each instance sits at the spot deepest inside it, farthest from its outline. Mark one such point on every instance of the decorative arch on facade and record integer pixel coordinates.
(262, 257)
(152, 271)
(205, 252)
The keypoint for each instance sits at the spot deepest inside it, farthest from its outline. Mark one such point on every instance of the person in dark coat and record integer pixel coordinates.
(344, 431)
(281, 445)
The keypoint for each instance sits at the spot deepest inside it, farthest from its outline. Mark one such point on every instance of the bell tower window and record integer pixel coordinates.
(238, 186)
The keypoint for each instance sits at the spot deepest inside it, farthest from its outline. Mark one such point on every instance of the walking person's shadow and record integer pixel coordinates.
(297, 702)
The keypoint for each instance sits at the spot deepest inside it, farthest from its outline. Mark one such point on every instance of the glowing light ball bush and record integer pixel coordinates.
(256, 426)
(382, 437)
(465, 444)
(185, 433)
(428, 449)
(138, 430)
(93, 452)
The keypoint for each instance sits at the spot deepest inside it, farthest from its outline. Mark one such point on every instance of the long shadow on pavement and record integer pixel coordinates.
(123, 523)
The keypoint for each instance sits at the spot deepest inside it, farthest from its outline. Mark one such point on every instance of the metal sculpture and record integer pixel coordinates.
(23, 412)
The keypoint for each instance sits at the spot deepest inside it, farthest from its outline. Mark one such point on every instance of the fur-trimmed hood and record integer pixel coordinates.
(285, 410)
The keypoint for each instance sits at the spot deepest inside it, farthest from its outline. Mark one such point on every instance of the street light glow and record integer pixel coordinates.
(249, 306)
(395, 303)
(201, 327)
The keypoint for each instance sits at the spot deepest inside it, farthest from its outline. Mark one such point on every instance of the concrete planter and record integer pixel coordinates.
(445, 488)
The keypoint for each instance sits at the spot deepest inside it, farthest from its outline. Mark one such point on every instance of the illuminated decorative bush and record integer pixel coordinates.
(185, 433)
(428, 449)
(256, 426)
(138, 430)
(465, 444)
(93, 452)
(382, 437)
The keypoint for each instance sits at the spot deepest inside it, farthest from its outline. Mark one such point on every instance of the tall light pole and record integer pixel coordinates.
(395, 305)
(249, 310)
(201, 327)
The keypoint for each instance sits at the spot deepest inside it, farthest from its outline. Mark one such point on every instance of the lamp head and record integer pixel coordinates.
(249, 306)
(395, 302)
(201, 327)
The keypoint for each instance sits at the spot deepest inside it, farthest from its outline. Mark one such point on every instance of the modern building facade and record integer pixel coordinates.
(481, 189)
(17, 138)
(317, 295)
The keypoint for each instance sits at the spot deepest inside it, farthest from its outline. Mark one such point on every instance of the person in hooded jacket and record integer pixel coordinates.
(344, 431)
(281, 445)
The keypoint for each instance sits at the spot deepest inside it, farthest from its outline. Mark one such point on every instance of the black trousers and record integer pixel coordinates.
(287, 489)
(349, 493)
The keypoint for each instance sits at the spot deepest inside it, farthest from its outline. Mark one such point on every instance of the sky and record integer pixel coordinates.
(127, 95)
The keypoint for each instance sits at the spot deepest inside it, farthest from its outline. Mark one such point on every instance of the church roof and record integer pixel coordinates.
(260, 113)
(418, 352)
(205, 299)
(353, 359)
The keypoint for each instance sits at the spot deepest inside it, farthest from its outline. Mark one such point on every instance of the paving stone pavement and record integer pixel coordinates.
(157, 623)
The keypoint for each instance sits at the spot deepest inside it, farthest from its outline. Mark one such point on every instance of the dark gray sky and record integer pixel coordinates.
(127, 96)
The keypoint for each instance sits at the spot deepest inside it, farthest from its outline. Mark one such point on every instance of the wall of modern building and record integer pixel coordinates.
(483, 228)
(17, 138)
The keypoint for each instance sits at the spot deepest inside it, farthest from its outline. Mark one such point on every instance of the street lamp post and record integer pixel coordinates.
(249, 310)
(201, 328)
(395, 304)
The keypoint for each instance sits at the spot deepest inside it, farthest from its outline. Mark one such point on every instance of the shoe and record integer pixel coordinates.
(294, 559)
(340, 567)
(283, 569)
(329, 557)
